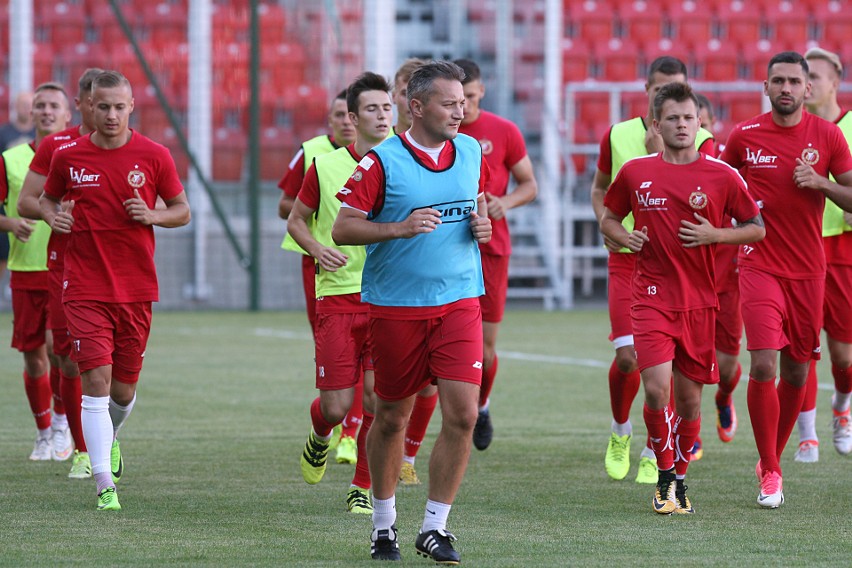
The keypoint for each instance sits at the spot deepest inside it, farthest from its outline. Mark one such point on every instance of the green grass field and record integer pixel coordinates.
(212, 467)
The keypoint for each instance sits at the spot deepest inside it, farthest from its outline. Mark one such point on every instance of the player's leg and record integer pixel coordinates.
(424, 407)
(358, 497)
(729, 332)
(347, 447)
(61, 441)
(656, 381)
(685, 428)
(841, 370)
(808, 450)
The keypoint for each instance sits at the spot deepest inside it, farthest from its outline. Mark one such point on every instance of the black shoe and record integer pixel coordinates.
(483, 432)
(384, 545)
(437, 545)
(684, 506)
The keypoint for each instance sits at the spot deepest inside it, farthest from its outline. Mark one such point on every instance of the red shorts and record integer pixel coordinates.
(837, 308)
(56, 321)
(685, 338)
(782, 314)
(29, 321)
(109, 334)
(729, 322)
(309, 283)
(620, 296)
(342, 353)
(495, 272)
(409, 354)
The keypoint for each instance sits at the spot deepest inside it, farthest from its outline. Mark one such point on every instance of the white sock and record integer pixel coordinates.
(625, 429)
(119, 413)
(59, 421)
(648, 453)
(384, 512)
(484, 407)
(44, 433)
(322, 438)
(409, 459)
(97, 431)
(436, 516)
(807, 425)
(840, 401)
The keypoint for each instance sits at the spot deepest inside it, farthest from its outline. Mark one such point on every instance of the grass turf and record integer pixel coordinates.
(212, 467)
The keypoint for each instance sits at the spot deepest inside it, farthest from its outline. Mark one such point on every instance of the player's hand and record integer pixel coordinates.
(331, 259)
(653, 141)
(138, 210)
(847, 217)
(611, 245)
(23, 228)
(480, 227)
(64, 220)
(496, 207)
(697, 234)
(421, 221)
(637, 239)
(806, 177)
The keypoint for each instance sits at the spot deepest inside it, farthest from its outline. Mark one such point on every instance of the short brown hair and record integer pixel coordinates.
(109, 80)
(403, 74)
(677, 92)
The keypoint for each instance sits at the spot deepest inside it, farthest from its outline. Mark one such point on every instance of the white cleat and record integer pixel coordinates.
(808, 451)
(42, 450)
(63, 445)
(771, 494)
(843, 433)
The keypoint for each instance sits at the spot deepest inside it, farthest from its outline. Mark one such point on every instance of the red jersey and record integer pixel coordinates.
(41, 165)
(660, 195)
(293, 178)
(766, 155)
(502, 147)
(110, 257)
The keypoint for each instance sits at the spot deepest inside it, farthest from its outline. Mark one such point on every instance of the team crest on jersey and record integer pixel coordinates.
(810, 156)
(136, 179)
(358, 175)
(487, 147)
(698, 199)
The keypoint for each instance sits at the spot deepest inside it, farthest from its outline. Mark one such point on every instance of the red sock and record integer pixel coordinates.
(763, 410)
(38, 394)
(321, 426)
(353, 418)
(72, 396)
(622, 391)
(488, 375)
(684, 434)
(809, 402)
(723, 395)
(58, 406)
(362, 469)
(659, 432)
(421, 414)
(842, 379)
(789, 404)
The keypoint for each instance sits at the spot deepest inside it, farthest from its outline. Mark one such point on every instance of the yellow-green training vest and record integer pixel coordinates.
(311, 149)
(332, 172)
(627, 141)
(832, 218)
(30, 256)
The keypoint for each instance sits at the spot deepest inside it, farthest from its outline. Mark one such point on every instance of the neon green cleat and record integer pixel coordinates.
(116, 462)
(358, 501)
(81, 466)
(408, 475)
(647, 470)
(347, 450)
(108, 500)
(617, 460)
(313, 459)
(335, 437)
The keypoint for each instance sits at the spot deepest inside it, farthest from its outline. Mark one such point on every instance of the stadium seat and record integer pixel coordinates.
(741, 20)
(653, 50)
(230, 25)
(617, 60)
(592, 108)
(576, 56)
(164, 22)
(65, 23)
(591, 21)
(276, 143)
(788, 24)
(756, 56)
(738, 107)
(229, 147)
(691, 22)
(44, 58)
(273, 21)
(641, 21)
(834, 24)
(106, 26)
(716, 61)
(634, 104)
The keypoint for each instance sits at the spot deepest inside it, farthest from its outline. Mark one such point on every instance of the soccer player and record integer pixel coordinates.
(417, 202)
(785, 156)
(108, 183)
(825, 71)
(70, 388)
(28, 270)
(679, 199)
(623, 141)
(400, 93)
(343, 134)
(504, 149)
(342, 352)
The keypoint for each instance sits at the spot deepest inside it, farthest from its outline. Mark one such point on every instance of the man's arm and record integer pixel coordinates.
(839, 192)
(353, 228)
(329, 258)
(28, 199)
(524, 192)
(480, 224)
(58, 217)
(703, 233)
(285, 205)
(176, 213)
(614, 232)
(19, 228)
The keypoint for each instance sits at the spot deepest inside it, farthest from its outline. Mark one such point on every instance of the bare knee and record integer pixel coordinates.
(625, 360)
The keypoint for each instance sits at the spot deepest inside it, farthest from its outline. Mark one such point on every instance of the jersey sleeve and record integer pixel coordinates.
(364, 190)
(617, 198)
(516, 148)
(55, 185)
(40, 163)
(730, 155)
(484, 176)
(168, 182)
(291, 183)
(708, 147)
(605, 156)
(741, 205)
(309, 194)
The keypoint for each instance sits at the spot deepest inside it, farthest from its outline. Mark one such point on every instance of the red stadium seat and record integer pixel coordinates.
(576, 56)
(106, 25)
(741, 106)
(275, 144)
(756, 56)
(834, 22)
(591, 21)
(716, 61)
(165, 22)
(273, 21)
(618, 60)
(641, 21)
(665, 46)
(692, 22)
(742, 21)
(65, 23)
(592, 108)
(788, 24)
(229, 147)
(634, 104)
(230, 24)
(43, 61)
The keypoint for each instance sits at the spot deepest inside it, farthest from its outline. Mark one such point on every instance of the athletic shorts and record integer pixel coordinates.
(729, 322)
(342, 352)
(837, 308)
(409, 354)
(29, 319)
(684, 338)
(495, 272)
(309, 284)
(781, 313)
(620, 296)
(56, 321)
(109, 334)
